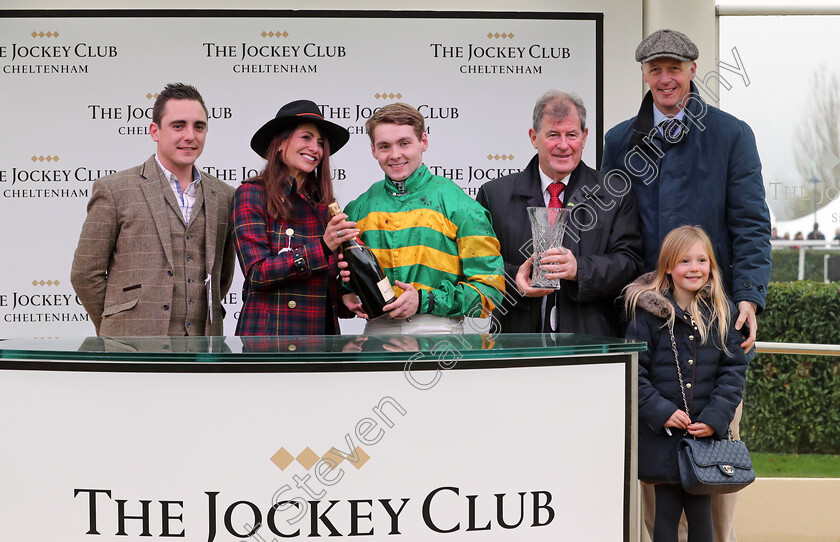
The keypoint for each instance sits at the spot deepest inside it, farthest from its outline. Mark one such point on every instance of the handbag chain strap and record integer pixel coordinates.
(679, 371)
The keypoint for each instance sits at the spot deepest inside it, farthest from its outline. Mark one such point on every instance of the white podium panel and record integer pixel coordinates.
(513, 453)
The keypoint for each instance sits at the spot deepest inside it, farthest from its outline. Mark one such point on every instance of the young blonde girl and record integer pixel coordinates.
(683, 301)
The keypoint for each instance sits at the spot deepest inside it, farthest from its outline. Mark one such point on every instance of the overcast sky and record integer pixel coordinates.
(780, 55)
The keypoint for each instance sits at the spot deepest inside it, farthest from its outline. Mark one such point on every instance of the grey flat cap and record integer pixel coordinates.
(667, 43)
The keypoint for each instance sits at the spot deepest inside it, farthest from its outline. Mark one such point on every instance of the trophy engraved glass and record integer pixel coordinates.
(547, 228)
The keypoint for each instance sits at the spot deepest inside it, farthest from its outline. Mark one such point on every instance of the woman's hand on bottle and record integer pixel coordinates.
(339, 229)
(343, 268)
(351, 301)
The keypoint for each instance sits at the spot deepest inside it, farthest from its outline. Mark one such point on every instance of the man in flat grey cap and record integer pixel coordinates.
(692, 164)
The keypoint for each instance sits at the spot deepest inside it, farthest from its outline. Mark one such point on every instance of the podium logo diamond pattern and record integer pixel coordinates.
(307, 458)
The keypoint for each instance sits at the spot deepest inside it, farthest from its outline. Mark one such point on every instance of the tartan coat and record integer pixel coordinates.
(288, 292)
(122, 268)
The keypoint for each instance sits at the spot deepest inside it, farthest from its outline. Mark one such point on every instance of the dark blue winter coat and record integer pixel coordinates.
(714, 381)
(710, 175)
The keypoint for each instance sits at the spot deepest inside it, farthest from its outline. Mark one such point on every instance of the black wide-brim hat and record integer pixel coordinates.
(292, 114)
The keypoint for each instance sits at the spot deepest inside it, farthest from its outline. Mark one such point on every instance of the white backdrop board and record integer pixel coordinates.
(212, 452)
(78, 89)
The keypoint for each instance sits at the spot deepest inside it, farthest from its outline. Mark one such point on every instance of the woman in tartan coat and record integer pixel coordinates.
(285, 241)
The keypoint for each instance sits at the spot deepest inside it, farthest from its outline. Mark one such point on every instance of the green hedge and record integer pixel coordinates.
(792, 403)
(785, 263)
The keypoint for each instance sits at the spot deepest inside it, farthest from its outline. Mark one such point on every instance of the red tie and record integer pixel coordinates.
(554, 190)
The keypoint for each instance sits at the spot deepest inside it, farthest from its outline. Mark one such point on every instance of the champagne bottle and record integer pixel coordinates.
(366, 276)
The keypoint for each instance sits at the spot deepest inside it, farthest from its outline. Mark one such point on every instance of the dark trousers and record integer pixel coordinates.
(671, 500)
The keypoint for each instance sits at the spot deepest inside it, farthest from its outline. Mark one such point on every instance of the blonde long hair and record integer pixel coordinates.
(715, 306)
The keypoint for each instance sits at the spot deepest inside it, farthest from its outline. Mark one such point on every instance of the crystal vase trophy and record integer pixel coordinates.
(547, 228)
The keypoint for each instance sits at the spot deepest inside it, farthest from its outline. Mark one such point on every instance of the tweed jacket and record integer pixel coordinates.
(290, 279)
(714, 380)
(123, 265)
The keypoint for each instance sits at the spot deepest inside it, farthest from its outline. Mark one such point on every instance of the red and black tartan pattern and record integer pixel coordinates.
(286, 344)
(282, 296)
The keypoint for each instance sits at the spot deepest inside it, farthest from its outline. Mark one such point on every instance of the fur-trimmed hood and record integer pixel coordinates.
(654, 301)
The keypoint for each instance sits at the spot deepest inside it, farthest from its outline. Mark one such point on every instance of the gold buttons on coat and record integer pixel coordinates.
(691, 337)
(292, 304)
(691, 362)
(688, 385)
(292, 348)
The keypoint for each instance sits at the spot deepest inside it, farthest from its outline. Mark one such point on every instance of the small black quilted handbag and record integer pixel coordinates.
(707, 465)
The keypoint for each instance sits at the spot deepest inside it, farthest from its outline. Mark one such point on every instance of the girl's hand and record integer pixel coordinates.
(339, 229)
(678, 419)
(700, 429)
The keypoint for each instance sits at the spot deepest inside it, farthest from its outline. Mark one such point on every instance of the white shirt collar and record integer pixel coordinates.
(659, 116)
(169, 175)
(545, 180)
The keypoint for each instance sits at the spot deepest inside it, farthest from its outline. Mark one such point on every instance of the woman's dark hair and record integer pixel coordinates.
(317, 186)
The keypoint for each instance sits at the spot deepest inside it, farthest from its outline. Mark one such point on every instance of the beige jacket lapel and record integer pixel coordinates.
(211, 221)
(155, 197)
